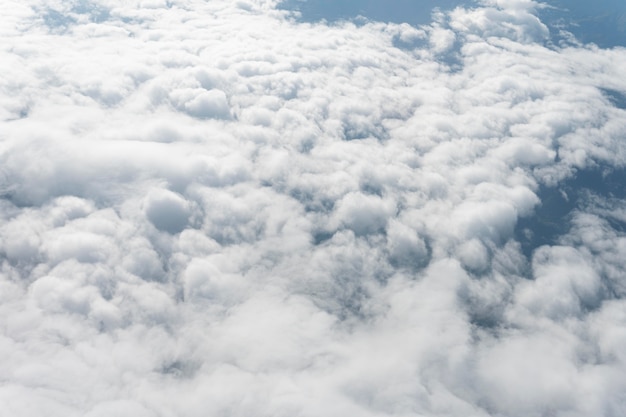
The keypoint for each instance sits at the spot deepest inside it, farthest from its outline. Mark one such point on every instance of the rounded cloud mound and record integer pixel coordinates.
(212, 208)
(167, 211)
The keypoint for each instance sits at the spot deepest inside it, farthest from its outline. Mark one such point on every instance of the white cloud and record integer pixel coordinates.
(211, 208)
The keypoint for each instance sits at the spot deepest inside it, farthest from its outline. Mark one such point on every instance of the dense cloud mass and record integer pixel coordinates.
(211, 208)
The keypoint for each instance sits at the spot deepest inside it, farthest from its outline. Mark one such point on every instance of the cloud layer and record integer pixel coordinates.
(211, 208)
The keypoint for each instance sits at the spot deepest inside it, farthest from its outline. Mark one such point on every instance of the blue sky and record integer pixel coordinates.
(414, 12)
(603, 21)
(406, 10)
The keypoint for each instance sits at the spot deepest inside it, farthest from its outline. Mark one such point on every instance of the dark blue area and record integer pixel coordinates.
(617, 98)
(552, 218)
(602, 22)
(400, 11)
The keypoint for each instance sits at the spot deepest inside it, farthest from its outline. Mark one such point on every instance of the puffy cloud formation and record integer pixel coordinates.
(211, 208)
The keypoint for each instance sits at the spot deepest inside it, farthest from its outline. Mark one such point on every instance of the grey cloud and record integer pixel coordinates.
(167, 211)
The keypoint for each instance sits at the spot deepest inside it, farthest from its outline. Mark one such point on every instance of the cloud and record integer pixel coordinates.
(167, 211)
(213, 208)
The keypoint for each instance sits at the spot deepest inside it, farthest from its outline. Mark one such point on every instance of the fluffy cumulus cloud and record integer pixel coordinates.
(213, 208)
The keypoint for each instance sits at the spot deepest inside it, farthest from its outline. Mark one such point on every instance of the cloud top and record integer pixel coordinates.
(212, 208)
